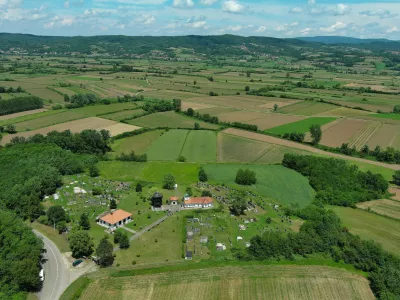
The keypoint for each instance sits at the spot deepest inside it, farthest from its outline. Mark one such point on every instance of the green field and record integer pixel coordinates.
(138, 143)
(168, 147)
(275, 182)
(302, 126)
(169, 119)
(200, 146)
(49, 120)
(306, 108)
(387, 116)
(370, 226)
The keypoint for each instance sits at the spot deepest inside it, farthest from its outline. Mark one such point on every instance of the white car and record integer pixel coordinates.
(41, 275)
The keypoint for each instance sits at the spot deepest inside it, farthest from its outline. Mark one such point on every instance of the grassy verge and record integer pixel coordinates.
(58, 239)
(75, 290)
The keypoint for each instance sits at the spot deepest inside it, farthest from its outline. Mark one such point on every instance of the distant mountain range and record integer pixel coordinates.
(343, 40)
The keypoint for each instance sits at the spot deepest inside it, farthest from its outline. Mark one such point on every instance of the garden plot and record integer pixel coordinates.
(342, 132)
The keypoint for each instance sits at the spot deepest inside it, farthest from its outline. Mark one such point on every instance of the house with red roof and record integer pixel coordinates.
(114, 219)
(198, 202)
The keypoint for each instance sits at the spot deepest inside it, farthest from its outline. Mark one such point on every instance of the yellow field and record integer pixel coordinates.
(251, 282)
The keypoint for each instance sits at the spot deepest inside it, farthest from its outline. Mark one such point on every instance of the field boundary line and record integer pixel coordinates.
(184, 143)
(267, 151)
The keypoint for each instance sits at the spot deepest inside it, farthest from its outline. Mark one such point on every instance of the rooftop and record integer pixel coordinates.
(199, 200)
(116, 216)
(174, 198)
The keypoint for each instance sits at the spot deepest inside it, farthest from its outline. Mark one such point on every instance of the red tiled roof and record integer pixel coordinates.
(116, 216)
(200, 200)
(174, 198)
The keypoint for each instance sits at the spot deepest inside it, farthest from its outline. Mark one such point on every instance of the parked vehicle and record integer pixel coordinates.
(77, 262)
(41, 275)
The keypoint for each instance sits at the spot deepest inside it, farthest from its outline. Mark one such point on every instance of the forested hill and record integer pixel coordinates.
(224, 45)
(342, 40)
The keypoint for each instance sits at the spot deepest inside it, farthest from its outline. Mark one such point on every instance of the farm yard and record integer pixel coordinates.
(277, 282)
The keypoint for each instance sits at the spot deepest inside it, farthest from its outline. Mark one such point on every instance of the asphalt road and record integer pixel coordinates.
(57, 275)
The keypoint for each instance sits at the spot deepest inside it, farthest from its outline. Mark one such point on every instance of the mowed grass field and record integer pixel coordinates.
(275, 182)
(168, 147)
(250, 282)
(169, 119)
(369, 226)
(138, 143)
(302, 126)
(383, 207)
(307, 108)
(200, 146)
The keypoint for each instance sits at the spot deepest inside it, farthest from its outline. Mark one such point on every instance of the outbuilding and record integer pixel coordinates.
(174, 200)
(198, 202)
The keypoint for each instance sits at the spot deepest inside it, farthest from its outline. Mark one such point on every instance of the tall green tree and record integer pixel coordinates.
(396, 177)
(84, 221)
(94, 171)
(124, 241)
(202, 175)
(169, 182)
(80, 243)
(113, 204)
(56, 214)
(316, 134)
(104, 252)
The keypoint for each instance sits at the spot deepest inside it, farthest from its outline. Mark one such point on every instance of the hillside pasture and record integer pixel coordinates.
(383, 207)
(169, 119)
(275, 182)
(302, 126)
(77, 126)
(168, 147)
(341, 132)
(234, 282)
(200, 146)
(370, 226)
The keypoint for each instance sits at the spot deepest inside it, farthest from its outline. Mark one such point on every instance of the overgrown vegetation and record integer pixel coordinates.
(19, 104)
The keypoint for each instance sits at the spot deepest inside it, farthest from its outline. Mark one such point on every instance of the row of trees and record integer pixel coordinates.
(8, 90)
(80, 100)
(19, 104)
(336, 182)
(130, 98)
(323, 233)
(389, 155)
(132, 157)
(153, 106)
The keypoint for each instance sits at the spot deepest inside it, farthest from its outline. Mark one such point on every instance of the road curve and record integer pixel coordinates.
(57, 276)
(290, 144)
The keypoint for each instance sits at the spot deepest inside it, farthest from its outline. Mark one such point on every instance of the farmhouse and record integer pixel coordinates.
(173, 200)
(114, 219)
(198, 202)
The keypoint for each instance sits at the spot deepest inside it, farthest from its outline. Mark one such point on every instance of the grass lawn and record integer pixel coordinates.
(302, 126)
(200, 146)
(387, 116)
(369, 226)
(168, 147)
(185, 173)
(275, 182)
(58, 239)
(169, 119)
(138, 143)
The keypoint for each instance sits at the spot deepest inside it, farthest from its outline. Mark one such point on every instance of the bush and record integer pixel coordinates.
(245, 177)
(181, 159)
(202, 175)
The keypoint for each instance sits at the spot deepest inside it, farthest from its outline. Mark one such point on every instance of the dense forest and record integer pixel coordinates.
(19, 104)
(337, 182)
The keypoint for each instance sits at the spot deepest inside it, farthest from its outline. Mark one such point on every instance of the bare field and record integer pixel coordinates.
(385, 136)
(270, 105)
(274, 120)
(341, 132)
(395, 191)
(241, 116)
(384, 207)
(77, 126)
(344, 112)
(252, 282)
(363, 136)
(21, 114)
(194, 105)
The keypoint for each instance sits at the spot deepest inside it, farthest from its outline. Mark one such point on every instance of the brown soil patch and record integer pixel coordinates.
(195, 106)
(20, 114)
(241, 116)
(290, 144)
(341, 132)
(77, 126)
(271, 105)
(396, 191)
(385, 136)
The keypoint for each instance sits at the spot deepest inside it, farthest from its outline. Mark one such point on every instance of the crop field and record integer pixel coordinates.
(346, 113)
(384, 207)
(307, 108)
(168, 147)
(96, 110)
(252, 282)
(216, 110)
(275, 182)
(138, 143)
(118, 116)
(388, 116)
(342, 132)
(274, 120)
(365, 225)
(21, 114)
(396, 192)
(200, 146)
(363, 136)
(385, 135)
(169, 119)
(242, 116)
(195, 105)
(302, 126)
(77, 126)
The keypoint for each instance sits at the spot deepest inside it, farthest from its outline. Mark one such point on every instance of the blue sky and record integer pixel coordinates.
(277, 18)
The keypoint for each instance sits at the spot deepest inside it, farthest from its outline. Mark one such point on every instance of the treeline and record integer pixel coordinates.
(80, 100)
(130, 98)
(132, 157)
(20, 256)
(323, 232)
(10, 89)
(86, 142)
(20, 104)
(153, 106)
(389, 155)
(336, 182)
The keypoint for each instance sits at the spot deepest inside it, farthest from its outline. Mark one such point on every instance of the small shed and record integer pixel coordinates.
(189, 255)
(156, 200)
(174, 200)
(221, 247)
(204, 239)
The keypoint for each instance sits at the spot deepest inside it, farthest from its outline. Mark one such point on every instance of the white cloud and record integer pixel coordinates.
(296, 10)
(234, 28)
(333, 28)
(393, 29)
(306, 31)
(232, 6)
(261, 29)
(381, 13)
(284, 27)
(146, 19)
(208, 2)
(183, 3)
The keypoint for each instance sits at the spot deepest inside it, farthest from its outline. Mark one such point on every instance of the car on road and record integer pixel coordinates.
(77, 262)
(41, 275)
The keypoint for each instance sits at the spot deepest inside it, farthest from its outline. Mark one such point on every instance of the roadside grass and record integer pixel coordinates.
(75, 289)
(302, 126)
(370, 226)
(275, 182)
(200, 146)
(167, 147)
(138, 143)
(169, 119)
(58, 239)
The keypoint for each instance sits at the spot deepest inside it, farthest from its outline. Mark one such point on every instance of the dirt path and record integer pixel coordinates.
(290, 144)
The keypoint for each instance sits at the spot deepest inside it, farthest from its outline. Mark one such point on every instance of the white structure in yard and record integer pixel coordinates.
(115, 219)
